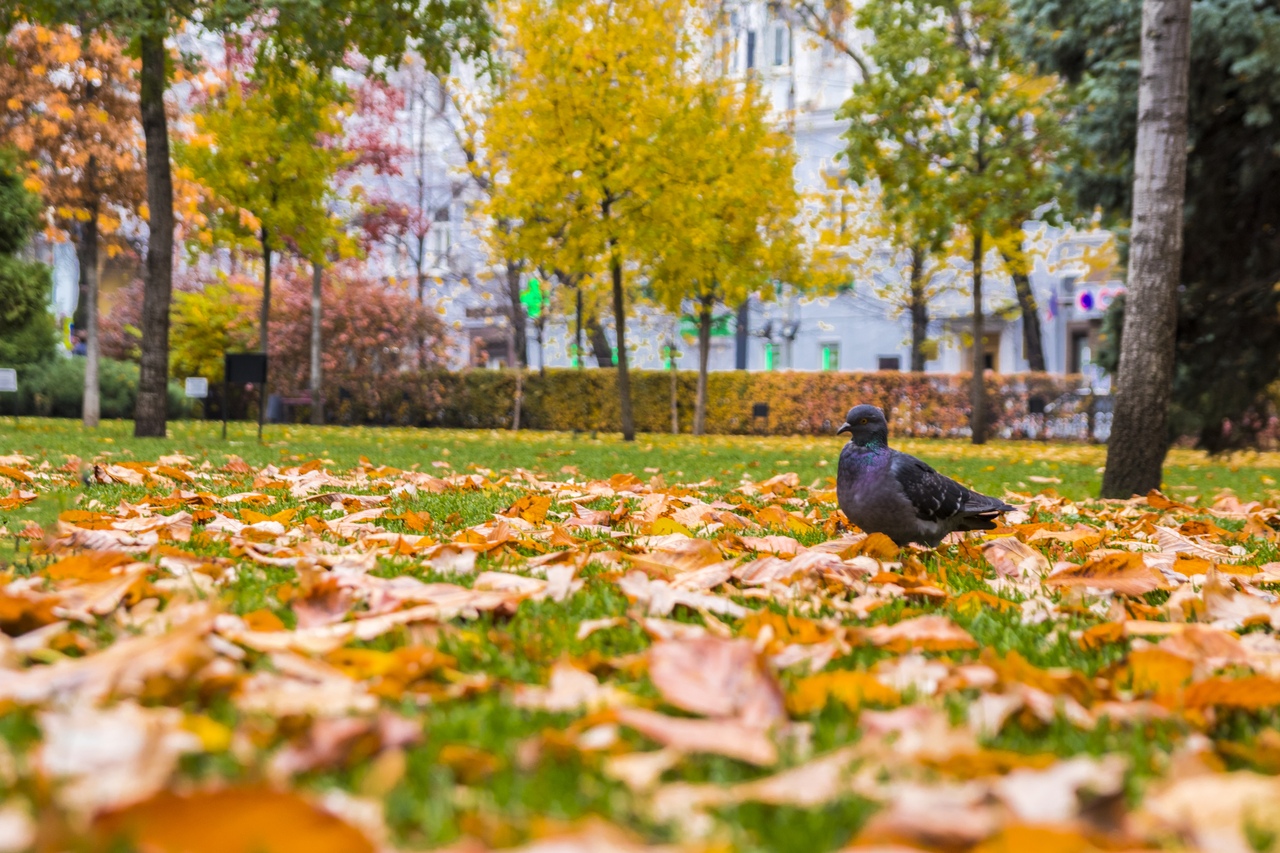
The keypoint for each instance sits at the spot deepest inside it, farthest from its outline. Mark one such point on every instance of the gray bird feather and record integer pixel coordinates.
(885, 491)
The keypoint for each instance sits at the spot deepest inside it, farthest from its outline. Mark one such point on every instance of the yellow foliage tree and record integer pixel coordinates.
(733, 217)
(581, 129)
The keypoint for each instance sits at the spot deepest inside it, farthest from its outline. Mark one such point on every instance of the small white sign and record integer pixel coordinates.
(8, 379)
(197, 386)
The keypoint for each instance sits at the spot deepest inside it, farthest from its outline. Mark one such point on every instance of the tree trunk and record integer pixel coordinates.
(917, 302)
(620, 326)
(317, 309)
(600, 343)
(579, 356)
(675, 389)
(516, 316)
(741, 335)
(1032, 337)
(263, 337)
(1144, 384)
(704, 353)
(153, 376)
(515, 416)
(265, 311)
(977, 387)
(89, 302)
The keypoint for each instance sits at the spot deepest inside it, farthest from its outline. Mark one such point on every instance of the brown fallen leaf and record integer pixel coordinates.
(717, 678)
(923, 633)
(729, 738)
(569, 689)
(1126, 574)
(1012, 558)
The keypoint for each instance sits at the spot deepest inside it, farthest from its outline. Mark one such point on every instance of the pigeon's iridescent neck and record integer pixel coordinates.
(870, 454)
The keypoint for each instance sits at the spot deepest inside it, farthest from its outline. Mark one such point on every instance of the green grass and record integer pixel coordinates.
(434, 803)
(726, 459)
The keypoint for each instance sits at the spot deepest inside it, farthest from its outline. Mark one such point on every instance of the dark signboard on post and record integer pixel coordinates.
(243, 368)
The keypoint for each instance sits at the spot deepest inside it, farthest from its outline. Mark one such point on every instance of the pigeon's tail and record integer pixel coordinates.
(979, 512)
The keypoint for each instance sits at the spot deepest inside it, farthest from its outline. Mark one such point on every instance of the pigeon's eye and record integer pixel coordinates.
(863, 421)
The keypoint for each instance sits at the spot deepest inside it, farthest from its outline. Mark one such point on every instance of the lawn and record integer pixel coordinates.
(346, 639)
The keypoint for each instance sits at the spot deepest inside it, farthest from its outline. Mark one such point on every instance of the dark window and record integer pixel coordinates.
(751, 48)
(889, 362)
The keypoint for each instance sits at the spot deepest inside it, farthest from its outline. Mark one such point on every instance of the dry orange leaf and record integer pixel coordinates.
(1126, 574)
(1159, 674)
(231, 820)
(1253, 693)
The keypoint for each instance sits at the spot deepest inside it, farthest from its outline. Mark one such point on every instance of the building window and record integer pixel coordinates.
(888, 362)
(771, 356)
(830, 356)
(751, 49)
(780, 45)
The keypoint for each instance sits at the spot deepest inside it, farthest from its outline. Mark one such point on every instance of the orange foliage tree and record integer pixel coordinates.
(71, 109)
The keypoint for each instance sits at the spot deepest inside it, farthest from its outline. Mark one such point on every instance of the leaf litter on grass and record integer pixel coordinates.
(228, 657)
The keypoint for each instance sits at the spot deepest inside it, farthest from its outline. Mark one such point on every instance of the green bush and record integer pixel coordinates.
(55, 388)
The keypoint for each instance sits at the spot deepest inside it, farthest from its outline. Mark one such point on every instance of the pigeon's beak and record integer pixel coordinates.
(844, 428)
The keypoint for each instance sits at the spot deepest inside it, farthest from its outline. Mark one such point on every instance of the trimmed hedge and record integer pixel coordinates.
(800, 403)
(55, 388)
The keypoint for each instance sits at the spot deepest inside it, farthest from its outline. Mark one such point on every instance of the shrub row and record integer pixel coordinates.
(55, 388)
(799, 403)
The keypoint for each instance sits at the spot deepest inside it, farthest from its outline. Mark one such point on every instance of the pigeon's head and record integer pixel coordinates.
(865, 425)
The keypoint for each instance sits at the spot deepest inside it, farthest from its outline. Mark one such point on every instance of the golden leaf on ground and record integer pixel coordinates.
(531, 508)
(231, 820)
(1253, 693)
(1126, 574)
(1159, 674)
(851, 687)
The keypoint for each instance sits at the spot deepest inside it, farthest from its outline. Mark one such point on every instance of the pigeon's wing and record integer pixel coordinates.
(935, 497)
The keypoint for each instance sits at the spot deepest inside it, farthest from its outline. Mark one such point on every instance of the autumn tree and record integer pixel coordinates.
(581, 127)
(26, 329)
(262, 147)
(317, 35)
(72, 111)
(732, 219)
(951, 117)
(1139, 433)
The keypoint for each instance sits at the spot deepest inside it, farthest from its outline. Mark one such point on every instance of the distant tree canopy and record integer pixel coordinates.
(26, 328)
(1229, 312)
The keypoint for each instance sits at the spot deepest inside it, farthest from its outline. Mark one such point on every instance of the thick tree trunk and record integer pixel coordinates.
(317, 314)
(1032, 337)
(153, 377)
(1140, 430)
(620, 326)
(89, 302)
(600, 343)
(978, 388)
(704, 352)
(919, 306)
(516, 316)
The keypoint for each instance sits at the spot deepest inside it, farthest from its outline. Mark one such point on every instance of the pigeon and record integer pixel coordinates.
(884, 491)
